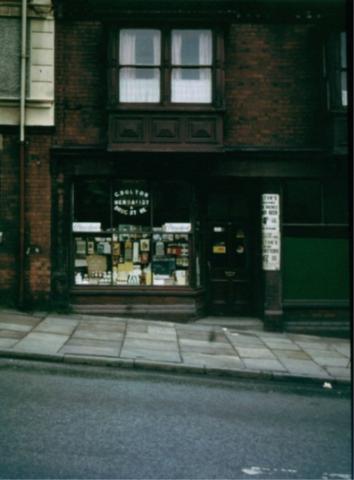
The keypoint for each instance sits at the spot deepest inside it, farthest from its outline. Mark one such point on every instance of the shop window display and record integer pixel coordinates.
(147, 240)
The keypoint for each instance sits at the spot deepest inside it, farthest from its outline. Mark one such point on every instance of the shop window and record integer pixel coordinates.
(166, 66)
(132, 233)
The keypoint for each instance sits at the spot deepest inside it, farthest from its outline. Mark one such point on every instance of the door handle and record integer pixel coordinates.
(229, 273)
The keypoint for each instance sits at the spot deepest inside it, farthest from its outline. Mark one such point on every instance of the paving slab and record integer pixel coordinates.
(86, 333)
(331, 361)
(12, 334)
(328, 353)
(114, 326)
(306, 337)
(150, 354)
(91, 347)
(264, 364)
(158, 330)
(244, 340)
(218, 361)
(263, 353)
(8, 342)
(132, 335)
(18, 322)
(291, 354)
(282, 344)
(208, 348)
(51, 324)
(41, 342)
(150, 344)
(310, 345)
(339, 372)
(343, 349)
(304, 367)
(199, 334)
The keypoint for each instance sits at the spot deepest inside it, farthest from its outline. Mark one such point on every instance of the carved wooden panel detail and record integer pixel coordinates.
(165, 130)
(154, 132)
(201, 131)
(127, 129)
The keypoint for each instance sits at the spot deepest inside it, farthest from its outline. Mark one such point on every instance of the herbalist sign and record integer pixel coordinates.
(270, 232)
(131, 202)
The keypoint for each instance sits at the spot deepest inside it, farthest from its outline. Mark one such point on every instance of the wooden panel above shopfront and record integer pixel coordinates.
(158, 132)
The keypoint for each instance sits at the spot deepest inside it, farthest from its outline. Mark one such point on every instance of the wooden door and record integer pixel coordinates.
(229, 268)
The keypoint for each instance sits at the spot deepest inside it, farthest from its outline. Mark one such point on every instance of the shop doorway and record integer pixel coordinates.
(229, 269)
(231, 252)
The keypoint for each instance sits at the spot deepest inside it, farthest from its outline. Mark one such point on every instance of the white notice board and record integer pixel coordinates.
(271, 231)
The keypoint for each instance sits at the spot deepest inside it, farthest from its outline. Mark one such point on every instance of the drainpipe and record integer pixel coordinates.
(21, 281)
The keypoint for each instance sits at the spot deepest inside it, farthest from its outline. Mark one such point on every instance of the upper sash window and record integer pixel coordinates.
(336, 71)
(165, 67)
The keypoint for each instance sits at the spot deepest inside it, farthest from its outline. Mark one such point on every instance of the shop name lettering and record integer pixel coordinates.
(131, 202)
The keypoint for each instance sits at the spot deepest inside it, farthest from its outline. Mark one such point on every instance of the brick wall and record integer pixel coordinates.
(272, 83)
(81, 83)
(8, 217)
(272, 98)
(37, 217)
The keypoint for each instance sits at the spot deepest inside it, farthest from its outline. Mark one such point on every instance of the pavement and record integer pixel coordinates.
(174, 347)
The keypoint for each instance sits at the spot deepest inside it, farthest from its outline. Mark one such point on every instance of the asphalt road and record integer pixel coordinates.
(87, 423)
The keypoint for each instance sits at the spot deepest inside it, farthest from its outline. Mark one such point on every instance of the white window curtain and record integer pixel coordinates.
(191, 90)
(143, 84)
(205, 47)
(127, 40)
(176, 47)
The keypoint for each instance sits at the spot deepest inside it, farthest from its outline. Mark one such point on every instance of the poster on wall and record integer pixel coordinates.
(271, 232)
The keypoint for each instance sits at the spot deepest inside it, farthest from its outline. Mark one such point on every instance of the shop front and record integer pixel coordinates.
(154, 246)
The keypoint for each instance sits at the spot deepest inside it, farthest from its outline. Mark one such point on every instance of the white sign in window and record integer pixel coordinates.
(86, 226)
(177, 227)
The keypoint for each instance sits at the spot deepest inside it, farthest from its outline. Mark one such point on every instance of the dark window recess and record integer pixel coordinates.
(336, 71)
(223, 206)
(336, 202)
(92, 202)
(314, 202)
(172, 203)
(302, 202)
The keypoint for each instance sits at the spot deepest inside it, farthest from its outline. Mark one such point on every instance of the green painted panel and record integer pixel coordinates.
(315, 268)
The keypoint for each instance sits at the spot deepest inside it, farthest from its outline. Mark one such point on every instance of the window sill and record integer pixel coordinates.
(136, 290)
(185, 107)
(30, 102)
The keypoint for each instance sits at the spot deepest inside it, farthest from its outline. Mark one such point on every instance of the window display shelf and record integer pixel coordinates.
(131, 258)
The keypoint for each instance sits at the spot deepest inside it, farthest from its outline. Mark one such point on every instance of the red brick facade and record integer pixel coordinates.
(273, 99)
(273, 86)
